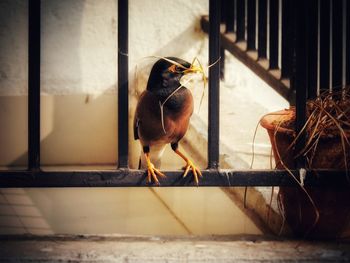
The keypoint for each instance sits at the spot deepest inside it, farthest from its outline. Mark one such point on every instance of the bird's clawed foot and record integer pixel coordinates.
(152, 173)
(196, 172)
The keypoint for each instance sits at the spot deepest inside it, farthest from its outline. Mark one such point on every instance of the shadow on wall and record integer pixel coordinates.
(75, 129)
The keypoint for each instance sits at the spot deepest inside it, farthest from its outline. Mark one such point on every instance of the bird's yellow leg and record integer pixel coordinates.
(152, 172)
(189, 165)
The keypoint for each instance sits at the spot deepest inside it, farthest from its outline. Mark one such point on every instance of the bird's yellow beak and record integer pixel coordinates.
(194, 69)
(197, 69)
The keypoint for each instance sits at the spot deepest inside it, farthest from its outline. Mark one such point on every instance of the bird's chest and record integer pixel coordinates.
(177, 111)
(169, 121)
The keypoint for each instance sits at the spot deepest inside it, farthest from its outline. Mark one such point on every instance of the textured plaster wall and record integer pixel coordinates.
(79, 41)
(79, 71)
(78, 46)
(13, 47)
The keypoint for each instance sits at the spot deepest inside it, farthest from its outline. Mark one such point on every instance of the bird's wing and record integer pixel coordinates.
(148, 126)
(137, 119)
(147, 121)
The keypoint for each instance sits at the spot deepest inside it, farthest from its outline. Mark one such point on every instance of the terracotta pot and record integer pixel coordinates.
(333, 204)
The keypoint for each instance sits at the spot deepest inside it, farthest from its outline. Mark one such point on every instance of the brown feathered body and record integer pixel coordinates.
(153, 129)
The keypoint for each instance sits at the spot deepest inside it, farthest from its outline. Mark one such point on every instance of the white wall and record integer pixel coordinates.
(79, 70)
(13, 47)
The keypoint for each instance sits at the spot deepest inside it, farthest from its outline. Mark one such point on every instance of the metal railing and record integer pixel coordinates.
(213, 175)
(265, 34)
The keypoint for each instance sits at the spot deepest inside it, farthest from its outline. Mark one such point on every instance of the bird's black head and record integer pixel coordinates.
(166, 74)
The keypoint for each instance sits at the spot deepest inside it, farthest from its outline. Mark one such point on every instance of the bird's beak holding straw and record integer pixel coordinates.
(197, 69)
(194, 69)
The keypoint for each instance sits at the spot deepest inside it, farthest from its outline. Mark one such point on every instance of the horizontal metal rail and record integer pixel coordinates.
(138, 178)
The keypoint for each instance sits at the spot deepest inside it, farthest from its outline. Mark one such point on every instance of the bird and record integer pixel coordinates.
(162, 115)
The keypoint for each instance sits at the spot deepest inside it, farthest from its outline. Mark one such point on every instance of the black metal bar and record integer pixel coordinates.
(344, 42)
(123, 83)
(240, 32)
(300, 74)
(313, 38)
(287, 39)
(223, 11)
(262, 29)
(347, 56)
(34, 84)
(137, 178)
(230, 14)
(347, 24)
(251, 25)
(337, 44)
(214, 84)
(274, 15)
(324, 60)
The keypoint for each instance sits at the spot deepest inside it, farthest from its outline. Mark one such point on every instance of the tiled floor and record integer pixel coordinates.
(133, 211)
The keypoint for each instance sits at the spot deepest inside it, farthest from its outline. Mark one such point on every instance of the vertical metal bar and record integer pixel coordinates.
(251, 25)
(330, 40)
(214, 84)
(34, 13)
(240, 33)
(123, 83)
(262, 29)
(300, 72)
(318, 45)
(347, 57)
(337, 45)
(280, 34)
(324, 65)
(223, 11)
(230, 13)
(287, 39)
(273, 34)
(345, 26)
(312, 33)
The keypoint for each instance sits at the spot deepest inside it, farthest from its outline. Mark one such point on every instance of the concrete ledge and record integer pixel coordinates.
(168, 249)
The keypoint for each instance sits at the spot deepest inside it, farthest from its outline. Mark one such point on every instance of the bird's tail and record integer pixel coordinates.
(156, 152)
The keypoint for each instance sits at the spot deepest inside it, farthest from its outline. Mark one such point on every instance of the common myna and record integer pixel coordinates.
(163, 113)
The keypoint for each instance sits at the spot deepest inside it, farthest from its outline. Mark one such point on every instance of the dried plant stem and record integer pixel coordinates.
(317, 213)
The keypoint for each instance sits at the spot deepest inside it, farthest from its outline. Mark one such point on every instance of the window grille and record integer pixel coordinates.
(300, 63)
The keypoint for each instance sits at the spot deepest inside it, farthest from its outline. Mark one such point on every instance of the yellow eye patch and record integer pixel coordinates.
(172, 68)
